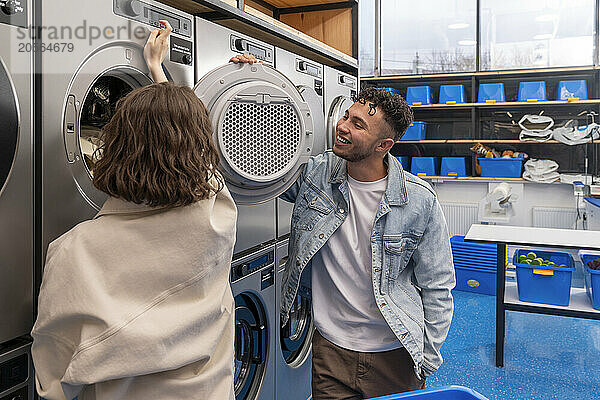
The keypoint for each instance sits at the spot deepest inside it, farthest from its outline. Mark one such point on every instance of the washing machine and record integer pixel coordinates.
(16, 172)
(293, 366)
(253, 286)
(16, 370)
(307, 75)
(97, 60)
(263, 127)
(340, 89)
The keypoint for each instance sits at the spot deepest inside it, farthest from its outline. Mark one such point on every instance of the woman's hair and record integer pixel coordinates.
(158, 149)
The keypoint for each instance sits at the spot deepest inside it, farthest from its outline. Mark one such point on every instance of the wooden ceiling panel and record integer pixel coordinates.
(298, 3)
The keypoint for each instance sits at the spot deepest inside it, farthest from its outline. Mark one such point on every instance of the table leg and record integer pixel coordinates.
(500, 284)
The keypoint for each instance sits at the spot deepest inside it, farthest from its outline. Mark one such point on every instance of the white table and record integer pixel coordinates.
(506, 294)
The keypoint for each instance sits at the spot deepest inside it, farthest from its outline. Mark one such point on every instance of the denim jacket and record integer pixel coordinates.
(412, 270)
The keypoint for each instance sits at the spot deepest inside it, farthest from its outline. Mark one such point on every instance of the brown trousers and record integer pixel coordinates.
(340, 374)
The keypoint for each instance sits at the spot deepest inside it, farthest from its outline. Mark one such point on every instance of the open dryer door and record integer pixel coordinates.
(263, 129)
(336, 112)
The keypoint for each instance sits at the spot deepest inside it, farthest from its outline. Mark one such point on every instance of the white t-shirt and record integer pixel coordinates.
(344, 307)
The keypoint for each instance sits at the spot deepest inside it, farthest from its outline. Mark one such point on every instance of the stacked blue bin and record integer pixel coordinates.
(417, 95)
(474, 265)
(572, 90)
(425, 166)
(453, 166)
(405, 161)
(532, 91)
(416, 131)
(490, 92)
(592, 279)
(450, 94)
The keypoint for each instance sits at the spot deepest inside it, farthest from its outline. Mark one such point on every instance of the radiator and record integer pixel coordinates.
(460, 217)
(554, 217)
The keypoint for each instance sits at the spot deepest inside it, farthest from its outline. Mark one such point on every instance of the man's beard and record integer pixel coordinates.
(357, 155)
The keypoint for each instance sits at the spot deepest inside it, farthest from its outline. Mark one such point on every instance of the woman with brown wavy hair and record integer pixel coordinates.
(136, 303)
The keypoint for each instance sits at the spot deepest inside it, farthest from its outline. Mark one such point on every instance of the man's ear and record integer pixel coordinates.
(385, 145)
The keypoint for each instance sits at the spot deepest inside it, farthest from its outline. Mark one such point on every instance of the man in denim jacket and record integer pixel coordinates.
(371, 242)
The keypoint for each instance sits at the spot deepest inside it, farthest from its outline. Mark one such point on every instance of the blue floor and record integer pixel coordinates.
(545, 357)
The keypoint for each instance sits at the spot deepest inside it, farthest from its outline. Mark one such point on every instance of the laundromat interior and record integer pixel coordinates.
(504, 140)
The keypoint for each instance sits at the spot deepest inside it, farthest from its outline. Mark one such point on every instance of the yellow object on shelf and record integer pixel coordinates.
(451, 102)
(573, 99)
(421, 174)
(532, 100)
(417, 103)
(490, 101)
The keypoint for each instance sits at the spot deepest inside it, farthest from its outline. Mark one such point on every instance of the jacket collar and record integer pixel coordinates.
(120, 206)
(396, 188)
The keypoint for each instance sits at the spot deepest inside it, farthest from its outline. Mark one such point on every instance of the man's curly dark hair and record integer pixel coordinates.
(396, 111)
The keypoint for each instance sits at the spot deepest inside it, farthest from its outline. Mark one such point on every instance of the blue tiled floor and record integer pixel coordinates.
(546, 357)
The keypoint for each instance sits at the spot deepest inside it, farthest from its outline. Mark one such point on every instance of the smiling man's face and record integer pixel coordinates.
(359, 132)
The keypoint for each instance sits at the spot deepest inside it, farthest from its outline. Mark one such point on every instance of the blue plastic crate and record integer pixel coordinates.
(416, 131)
(452, 94)
(545, 284)
(392, 90)
(405, 161)
(529, 91)
(572, 90)
(592, 280)
(490, 92)
(458, 241)
(501, 167)
(452, 392)
(425, 166)
(454, 166)
(416, 95)
(476, 280)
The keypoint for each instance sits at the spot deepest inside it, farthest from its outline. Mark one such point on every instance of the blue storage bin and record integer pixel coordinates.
(572, 90)
(545, 284)
(416, 131)
(592, 280)
(454, 166)
(452, 392)
(452, 93)
(501, 167)
(405, 161)
(476, 280)
(389, 89)
(490, 92)
(416, 95)
(532, 91)
(428, 166)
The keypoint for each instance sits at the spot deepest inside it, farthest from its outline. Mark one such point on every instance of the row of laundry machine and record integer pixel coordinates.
(268, 119)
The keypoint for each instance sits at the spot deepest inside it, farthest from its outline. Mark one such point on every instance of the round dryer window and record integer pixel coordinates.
(9, 125)
(263, 129)
(106, 77)
(250, 346)
(336, 112)
(296, 335)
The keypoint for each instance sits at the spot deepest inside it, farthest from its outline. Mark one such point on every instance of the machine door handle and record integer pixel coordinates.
(70, 129)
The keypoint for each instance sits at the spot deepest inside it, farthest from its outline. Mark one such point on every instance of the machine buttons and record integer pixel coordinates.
(239, 44)
(187, 59)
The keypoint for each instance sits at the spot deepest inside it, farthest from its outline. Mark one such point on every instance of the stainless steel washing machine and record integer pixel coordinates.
(294, 340)
(16, 370)
(263, 127)
(307, 75)
(340, 88)
(253, 286)
(99, 60)
(16, 171)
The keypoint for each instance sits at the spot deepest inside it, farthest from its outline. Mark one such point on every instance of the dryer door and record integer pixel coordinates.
(250, 346)
(315, 103)
(296, 334)
(337, 110)
(9, 125)
(91, 101)
(262, 126)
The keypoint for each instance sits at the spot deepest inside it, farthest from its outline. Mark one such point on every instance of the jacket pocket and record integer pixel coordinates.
(314, 207)
(398, 252)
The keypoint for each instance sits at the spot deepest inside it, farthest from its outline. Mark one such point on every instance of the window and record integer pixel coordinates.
(428, 36)
(536, 33)
(367, 37)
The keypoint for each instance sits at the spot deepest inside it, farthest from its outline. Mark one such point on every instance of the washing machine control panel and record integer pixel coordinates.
(309, 68)
(13, 12)
(239, 44)
(346, 80)
(151, 15)
(251, 264)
